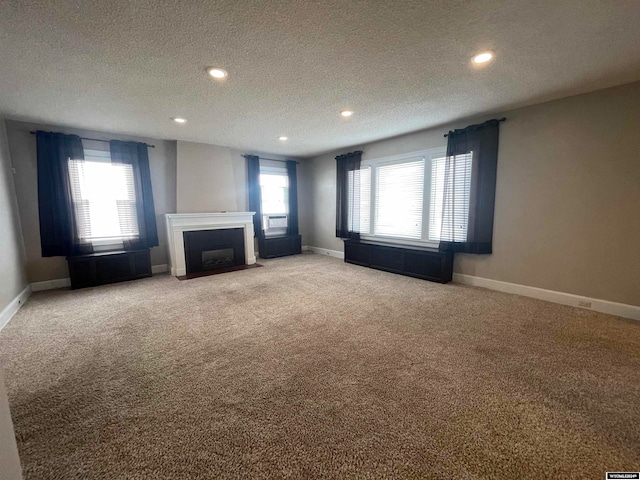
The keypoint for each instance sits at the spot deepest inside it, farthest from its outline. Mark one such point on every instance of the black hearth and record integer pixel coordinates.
(213, 249)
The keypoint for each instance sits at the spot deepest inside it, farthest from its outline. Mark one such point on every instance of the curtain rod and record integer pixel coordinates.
(96, 139)
(271, 159)
(499, 120)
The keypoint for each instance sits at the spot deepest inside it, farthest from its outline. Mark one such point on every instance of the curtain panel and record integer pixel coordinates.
(136, 154)
(481, 141)
(58, 232)
(292, 224)
(255, 196)
(345, 164)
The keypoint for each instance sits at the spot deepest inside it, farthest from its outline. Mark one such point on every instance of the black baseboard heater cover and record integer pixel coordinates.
(425, 263)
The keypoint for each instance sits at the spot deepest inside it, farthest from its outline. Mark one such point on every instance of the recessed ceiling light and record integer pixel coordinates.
(346, 113)
(283, 138)
(483, 57)
(217, 73)
(179, 120)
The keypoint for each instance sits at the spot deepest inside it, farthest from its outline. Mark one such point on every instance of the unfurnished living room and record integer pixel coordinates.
(337, 239)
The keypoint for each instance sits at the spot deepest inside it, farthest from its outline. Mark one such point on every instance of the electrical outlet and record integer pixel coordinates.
(584, 304)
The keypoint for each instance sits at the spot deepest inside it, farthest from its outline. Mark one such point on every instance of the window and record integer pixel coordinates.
(274, 188)
(401, 198)
(449, 219)
(360, 200)
(104, 198)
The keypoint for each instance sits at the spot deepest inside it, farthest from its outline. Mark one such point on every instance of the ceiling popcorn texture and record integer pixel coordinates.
(131, 66)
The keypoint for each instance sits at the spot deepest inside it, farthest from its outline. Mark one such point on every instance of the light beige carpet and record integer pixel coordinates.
(312, 368)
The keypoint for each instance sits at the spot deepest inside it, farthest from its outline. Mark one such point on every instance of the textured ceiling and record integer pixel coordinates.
(129, 66)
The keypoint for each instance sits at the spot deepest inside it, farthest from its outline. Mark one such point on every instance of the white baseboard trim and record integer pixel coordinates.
(603, 306)
(155, 269)
(51, 284)
(326, 251)
(15, 304)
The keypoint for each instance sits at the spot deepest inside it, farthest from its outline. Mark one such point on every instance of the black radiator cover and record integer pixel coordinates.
(425, 263)
(108, 267)
(279, 246)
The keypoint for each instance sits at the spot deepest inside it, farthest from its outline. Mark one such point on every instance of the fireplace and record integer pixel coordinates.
(212, 249)
(178, 224)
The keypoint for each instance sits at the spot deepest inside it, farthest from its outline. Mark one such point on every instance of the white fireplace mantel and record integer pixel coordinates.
(178, 223)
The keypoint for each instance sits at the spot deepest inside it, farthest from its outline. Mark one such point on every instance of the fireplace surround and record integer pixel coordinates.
(179, 223)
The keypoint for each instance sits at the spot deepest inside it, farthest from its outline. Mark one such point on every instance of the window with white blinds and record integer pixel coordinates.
(274, 190)
(359, 199)
(399, 199)
(104, 197)
(437, 197)
(402, 198)
(454, 208)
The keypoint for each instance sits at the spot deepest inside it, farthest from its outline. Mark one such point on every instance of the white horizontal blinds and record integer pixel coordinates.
(359, 200)
(437, 197)
(399, 199)
(125, 197)
(104, 198)
(81, 205)
(456, 197)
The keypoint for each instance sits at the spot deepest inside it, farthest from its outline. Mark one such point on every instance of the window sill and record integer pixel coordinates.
(398, 242)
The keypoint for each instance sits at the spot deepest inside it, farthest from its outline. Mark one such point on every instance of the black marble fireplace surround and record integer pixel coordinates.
(207, 250)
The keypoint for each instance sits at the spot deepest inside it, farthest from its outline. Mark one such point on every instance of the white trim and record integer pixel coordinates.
(429, 152)
(407, 242)
(51, 284)
(326, 251)
(15, 304)
(604, 306)
(427, 156)
(156, 269)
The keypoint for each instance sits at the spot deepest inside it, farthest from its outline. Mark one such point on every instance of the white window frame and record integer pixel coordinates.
(428, 156)
(274, 232)
(103, 244)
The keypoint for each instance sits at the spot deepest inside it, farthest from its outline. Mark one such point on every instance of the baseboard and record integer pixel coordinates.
(155, 269)
(326, 251)
(51, 284)
(603, 306)
(15, 304)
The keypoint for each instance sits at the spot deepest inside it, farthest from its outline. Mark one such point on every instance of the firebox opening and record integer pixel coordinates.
(213, 249)
(218, 258)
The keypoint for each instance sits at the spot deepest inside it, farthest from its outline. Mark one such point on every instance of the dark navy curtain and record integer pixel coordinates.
(292, 225)
(344, 164)
(58, 232)
(481, 142)
(136, 154)
(255, 197)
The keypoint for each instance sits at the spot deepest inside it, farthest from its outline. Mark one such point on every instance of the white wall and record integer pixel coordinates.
(567, 195)
(12, 259)
(14, 280)
(9, 462)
